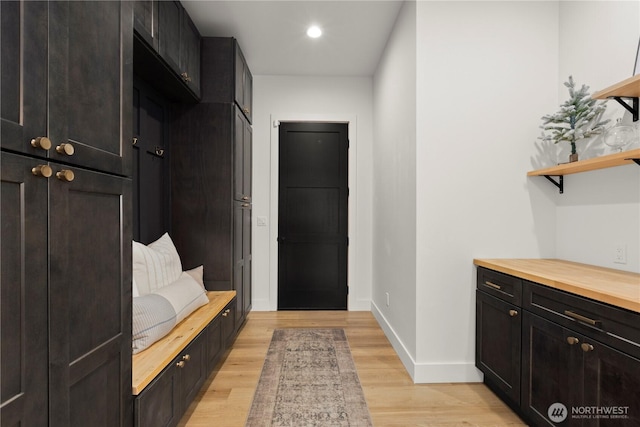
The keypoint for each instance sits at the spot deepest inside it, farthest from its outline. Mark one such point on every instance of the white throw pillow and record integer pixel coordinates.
(134, 288)
(198, 274)
(185, 295)
(155, 314)
(155, 265)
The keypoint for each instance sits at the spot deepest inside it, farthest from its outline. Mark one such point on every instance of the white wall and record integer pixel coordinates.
(599, 210)
(487, 71)
(394, 183)
(290, 98)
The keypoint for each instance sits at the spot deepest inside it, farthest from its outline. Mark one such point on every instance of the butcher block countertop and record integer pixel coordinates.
(614, 287)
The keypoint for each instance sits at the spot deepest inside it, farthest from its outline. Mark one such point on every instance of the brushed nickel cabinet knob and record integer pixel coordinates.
(513, 313)
(180, 364)
(572, 340)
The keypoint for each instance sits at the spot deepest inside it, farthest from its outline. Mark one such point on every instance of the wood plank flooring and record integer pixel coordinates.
(392, 397)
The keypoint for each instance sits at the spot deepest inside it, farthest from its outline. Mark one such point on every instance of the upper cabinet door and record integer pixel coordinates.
(170, 24)
(190, 54)
(90, 84)
(244, 83)
(23, 40)
(145, 21)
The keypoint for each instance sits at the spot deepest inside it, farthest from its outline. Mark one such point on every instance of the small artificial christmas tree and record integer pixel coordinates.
(579, 117)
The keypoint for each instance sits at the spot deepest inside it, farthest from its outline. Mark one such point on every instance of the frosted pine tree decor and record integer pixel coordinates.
(579, 117)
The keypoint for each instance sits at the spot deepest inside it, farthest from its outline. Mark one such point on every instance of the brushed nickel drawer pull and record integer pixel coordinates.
(492, 285)
(572, 340)
(180, 364)
(581, 318)
(513, 313)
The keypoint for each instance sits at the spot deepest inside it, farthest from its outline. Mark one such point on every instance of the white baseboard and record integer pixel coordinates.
(424, 373)
(261, 305)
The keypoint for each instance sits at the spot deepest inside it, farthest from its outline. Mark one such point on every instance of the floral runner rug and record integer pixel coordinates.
(308, 380)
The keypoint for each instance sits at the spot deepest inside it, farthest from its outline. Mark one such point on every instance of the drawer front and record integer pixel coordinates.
(214, 345)
(158, 405)
(610, 325)
(500, 285)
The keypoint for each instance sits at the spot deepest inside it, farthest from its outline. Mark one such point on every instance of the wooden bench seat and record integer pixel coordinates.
(149, 363)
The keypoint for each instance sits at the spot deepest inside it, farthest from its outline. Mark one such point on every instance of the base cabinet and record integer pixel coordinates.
(498, 333)
(166, 399)
(579, 358)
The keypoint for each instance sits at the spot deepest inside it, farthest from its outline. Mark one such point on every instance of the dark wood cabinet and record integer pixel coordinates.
(565, 358)
(66, 213)
(551, 371)
(23, 287)
(167, 49)
(89, 91)
(575, 352)
(498, 340)
(24, 35)
(211, 217)
(168, 396)
(227, 75)
(179, 43)
(145, 21)
(89, 298)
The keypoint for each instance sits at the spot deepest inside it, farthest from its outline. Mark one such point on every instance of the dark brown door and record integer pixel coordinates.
(312, 221)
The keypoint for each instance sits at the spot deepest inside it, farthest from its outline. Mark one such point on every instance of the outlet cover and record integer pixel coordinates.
(620, 255)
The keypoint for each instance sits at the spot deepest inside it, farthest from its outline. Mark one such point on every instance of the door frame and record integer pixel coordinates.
(353, 303)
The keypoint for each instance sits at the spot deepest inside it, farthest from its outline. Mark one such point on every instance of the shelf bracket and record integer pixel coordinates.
(559, 183)
(634, 109)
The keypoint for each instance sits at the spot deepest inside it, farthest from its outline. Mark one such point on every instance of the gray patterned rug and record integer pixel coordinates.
(309, 380)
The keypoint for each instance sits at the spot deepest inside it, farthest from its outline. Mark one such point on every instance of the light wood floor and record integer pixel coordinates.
(392, 397)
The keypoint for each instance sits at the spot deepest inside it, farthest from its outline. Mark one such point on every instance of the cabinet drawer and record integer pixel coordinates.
(614, 326)
(500, 285)
(158, 405)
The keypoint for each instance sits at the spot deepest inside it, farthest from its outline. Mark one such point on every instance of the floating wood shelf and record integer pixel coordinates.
(603, 162)
(628, 89)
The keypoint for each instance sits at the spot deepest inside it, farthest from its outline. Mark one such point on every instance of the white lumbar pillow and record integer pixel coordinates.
(155, 265)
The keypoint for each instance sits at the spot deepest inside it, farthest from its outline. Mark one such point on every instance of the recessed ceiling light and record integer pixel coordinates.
(314, 32)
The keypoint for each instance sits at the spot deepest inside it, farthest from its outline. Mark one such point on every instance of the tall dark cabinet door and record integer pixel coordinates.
(23, 293)
(242, 147)
(90, 75)
(90, 299)
(23, 41)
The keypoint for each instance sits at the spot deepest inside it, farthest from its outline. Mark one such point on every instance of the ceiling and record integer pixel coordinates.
(272, 34)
